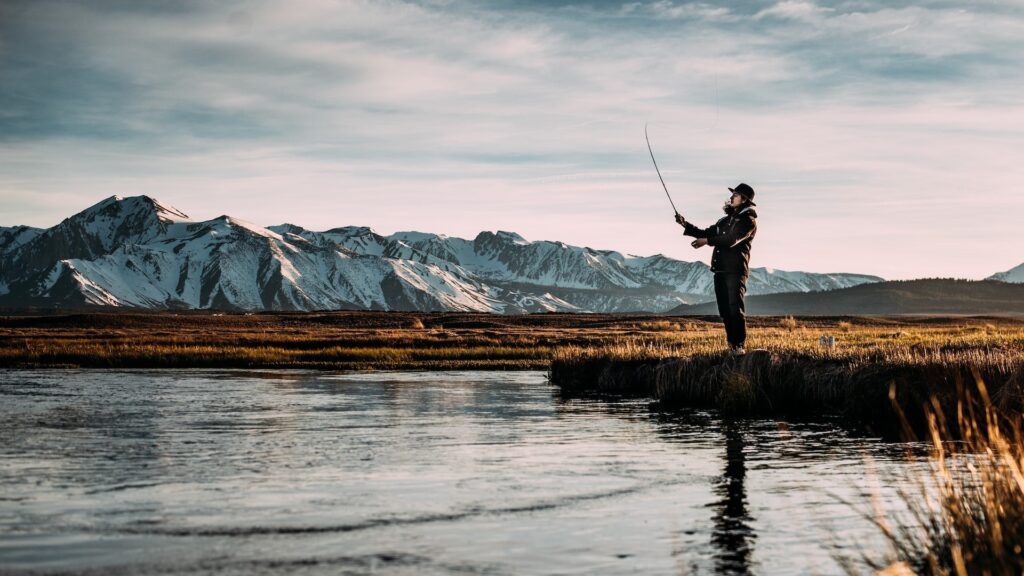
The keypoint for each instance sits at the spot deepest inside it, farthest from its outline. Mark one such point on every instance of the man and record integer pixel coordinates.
(730, 262)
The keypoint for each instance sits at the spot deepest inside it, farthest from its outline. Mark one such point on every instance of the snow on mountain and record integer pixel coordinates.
(15, 236)
(12, 238)
(505, 258)
(91, 233)
(1013, 275)
(679, 276)
(771, 281)
(138, 252)
(227, 263)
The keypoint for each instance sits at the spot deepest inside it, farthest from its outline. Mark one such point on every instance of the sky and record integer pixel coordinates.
(880, 137)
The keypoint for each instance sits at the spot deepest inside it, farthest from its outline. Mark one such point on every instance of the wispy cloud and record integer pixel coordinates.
(870, 130)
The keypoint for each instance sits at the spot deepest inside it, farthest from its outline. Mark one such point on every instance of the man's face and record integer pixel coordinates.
(735, 200)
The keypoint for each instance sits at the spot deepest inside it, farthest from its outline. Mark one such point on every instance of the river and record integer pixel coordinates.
(300, 472)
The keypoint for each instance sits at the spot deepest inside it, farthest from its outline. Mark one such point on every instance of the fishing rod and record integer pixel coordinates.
(646, 137)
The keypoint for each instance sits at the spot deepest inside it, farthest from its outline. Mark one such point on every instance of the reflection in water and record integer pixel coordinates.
(732, 536)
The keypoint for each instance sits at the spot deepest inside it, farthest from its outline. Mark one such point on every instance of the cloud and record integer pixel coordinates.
(856, 118)
(799, 10)
(671, 10)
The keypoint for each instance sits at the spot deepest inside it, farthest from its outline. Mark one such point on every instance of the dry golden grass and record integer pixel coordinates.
(318, 340)
(658, 326)
(795, 375)
(789, 323)
(453, 341)
(856, 344)
(968, 514)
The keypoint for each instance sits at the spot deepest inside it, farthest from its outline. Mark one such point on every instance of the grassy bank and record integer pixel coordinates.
(795, 376)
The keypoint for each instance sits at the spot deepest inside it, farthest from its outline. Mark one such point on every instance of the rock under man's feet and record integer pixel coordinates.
(738, 350)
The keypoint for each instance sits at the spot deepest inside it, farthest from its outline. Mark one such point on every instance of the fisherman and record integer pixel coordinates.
(730, 262)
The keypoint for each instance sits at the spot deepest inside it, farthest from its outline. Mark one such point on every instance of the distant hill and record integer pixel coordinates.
(1014, 275)
(927, 296)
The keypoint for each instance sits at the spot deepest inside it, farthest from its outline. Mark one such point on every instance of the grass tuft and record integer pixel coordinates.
(658, 326)
(789, 323)
(738, 394)
(968, 514)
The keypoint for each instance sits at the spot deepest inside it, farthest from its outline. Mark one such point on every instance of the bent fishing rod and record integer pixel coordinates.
(646, 137)
(679, 217)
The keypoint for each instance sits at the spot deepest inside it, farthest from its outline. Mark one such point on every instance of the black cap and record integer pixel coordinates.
(746, 191)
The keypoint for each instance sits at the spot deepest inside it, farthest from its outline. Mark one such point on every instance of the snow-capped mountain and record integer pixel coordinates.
(1013, 275)
(14, 236)
(138, 252)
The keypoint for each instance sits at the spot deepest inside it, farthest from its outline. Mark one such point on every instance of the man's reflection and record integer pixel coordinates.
(732, 537)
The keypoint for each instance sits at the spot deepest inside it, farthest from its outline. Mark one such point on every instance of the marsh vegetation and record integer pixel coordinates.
(788, 372)
(965, 512)
(394, 340)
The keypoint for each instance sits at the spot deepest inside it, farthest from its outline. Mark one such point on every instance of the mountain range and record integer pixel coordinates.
(139, 252)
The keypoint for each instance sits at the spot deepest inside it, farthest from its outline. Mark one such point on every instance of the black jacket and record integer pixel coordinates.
(731, 236)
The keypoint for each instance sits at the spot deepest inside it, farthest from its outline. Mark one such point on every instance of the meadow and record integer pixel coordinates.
(398, 340)
(330, 340)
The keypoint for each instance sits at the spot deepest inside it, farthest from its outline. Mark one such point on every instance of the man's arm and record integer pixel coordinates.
(691, 230)
(739, 232)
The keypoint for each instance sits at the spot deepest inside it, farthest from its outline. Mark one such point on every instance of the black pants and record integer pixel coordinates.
(729, 291)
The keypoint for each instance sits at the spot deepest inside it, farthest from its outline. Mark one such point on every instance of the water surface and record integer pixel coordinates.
(233, 472)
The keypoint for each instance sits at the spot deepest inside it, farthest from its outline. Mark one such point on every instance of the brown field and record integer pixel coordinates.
(334, 341)
(396, 340)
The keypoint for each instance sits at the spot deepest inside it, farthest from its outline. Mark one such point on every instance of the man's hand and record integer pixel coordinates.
(699, 242)
(680, 220)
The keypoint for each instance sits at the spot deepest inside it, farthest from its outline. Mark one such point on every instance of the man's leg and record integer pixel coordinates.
(722, 298)
(737, 288)
(725, 284)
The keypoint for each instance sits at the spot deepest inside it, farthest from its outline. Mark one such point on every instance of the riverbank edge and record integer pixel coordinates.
(767, 384)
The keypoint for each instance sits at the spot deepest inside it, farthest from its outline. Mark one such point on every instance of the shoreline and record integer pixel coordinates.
(884, 396)
(675, 360)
